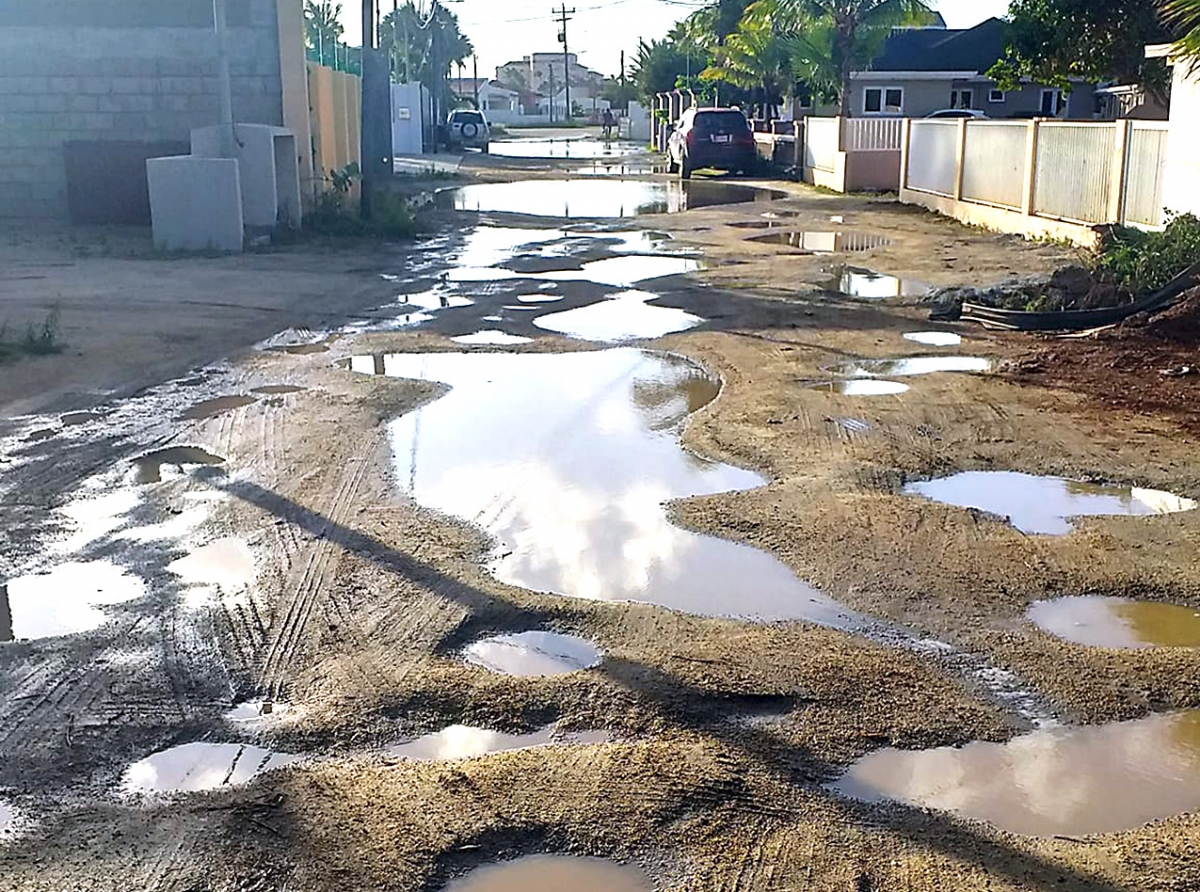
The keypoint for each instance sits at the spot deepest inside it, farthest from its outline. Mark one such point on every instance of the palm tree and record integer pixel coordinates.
(757, 55)
(1184, 17)
(322, 26)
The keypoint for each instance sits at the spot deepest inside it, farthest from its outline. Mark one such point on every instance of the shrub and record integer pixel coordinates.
(391, 217)
(1144, 262)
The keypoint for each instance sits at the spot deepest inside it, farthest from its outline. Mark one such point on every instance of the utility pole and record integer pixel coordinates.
(562, 17)
(475, 77)
(550, 71)
(624, 101)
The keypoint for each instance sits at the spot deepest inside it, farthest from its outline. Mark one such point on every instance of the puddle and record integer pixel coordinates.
(491, 337)
(435, 299)
(304, 349)
(10, 819)
(758, 224)
(256, 712)
(622, 317)
(623, 271)
(1044, 504)
(861, 387)
(521, 308)
(276, 389)
(568, 461)
(38, 436)
(227, 564)
(218, 406)
(870, 285)
(934, 338)
(466, 742)
(911, 366)
(65, 601)
(535, 654)
(599, 198)
(195, 767)
(1056, 781)
(93, 518)
(539, 298)
(1117, 622)
(149, 466)
(73, 418)
(553, 873)
(578, 147)
(825, 242)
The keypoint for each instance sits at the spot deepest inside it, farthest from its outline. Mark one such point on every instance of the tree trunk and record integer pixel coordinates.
(847, 89)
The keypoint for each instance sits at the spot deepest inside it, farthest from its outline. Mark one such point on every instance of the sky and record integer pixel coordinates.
(506, 30)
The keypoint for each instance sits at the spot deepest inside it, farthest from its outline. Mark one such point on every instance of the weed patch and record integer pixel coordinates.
(36, 340)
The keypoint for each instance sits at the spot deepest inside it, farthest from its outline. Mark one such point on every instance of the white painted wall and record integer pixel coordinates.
(195, 203)
(1181, 184)
(407, 133)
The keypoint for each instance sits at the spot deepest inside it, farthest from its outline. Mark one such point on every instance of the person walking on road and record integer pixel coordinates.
(609, 122)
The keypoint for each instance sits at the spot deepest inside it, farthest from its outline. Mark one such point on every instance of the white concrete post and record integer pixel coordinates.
(960, 156)
(905, 142)
(1119, 176)
(1029, 185)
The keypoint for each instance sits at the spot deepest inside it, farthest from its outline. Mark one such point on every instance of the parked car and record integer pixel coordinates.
(972, 113)
(720, 138)
(467, 128)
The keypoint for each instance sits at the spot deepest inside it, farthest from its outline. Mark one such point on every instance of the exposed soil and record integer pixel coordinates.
(726, 731)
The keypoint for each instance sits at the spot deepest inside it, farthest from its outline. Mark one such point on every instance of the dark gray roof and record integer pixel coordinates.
(936, 49)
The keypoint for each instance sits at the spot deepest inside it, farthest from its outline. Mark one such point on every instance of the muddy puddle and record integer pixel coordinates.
(304, 349)
(1044, 505)
(257, 712)
(67, 600)
(861, 387)
(71, 419)
(541, 297)
(866, 284)
(218, 406)
(466, 742)
(623, 271)
(587, 198)
(10, 820)
(149, 466)
(623, 317)
(911, 366)
(553, 873)
(934, 338)
(196, 767)
(490, 337)
(226, 564)
(1120, 623)
(535, 654)
(1055, 781)
(818, 242)
(278, 389)
(568, 461)
(578, 147)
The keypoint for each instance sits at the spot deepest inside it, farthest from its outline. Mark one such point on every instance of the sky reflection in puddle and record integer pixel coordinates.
(911, 366)
(466, 742)
(1117, 622)
(553, 873)
(535, 654)
(622, 317)
(66, 600)
(196, 767)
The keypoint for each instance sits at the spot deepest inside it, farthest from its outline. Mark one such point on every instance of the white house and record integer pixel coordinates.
(495, 100)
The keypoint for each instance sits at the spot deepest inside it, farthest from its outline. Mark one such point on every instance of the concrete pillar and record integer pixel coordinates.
(293, 77)
(1119, 175)
(1029, 186)
(960, 154)
(905, 143)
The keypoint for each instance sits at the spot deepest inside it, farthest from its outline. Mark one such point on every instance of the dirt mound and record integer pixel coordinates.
(1180, 324)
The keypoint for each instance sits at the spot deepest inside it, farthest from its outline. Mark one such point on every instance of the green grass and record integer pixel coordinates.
(36, 340)
(1144, 262)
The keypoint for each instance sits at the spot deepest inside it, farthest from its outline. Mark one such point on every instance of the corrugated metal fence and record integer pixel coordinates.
(1144, 177)
(1074, 166)
(994, 163)
(933, 156)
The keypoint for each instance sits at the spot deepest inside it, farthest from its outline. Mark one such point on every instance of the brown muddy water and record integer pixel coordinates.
(1044, 504)
(1117, 622)
(569, 460)
(466, 742)
(861, 387)
(195, 767)
(1052, 782)
(225, 563)
(218, 406)
(553, 873)
(624, 316)
(149, 466)
(533, 654)
(67, 600)
(910, 366)
(824, 242)
(589, 198)
(278, 389)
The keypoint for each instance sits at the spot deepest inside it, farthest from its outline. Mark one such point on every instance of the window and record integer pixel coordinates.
(997, 96)
(1053, 103)
(883, 100)
(966, 99)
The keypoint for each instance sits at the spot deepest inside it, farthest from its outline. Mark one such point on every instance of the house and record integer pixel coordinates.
(585, 99)
(544, 73)
(495, 99)
(923, 70)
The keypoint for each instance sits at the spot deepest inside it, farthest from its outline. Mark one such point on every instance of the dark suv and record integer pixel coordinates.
(711, 137)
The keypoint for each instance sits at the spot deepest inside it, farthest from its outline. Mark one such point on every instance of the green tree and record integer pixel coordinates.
(413, 43)
(758, 55)
(1055, 41)
(660, 65)
(323, 28)
(1183, 16)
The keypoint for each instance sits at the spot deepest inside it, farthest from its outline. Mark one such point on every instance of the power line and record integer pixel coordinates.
(562, 18)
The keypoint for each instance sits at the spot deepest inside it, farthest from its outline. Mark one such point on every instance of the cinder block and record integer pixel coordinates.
(83, 103)
(53, 102)
(195, 203)
(96, 86)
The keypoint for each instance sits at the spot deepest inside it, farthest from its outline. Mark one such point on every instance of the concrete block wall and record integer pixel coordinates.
(145, 76)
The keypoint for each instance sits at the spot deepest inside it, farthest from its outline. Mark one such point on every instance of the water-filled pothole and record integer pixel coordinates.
(622, 317)
(598, 198)
(1117, 622)
(278, 389)
(535, 654)
(623, 271)
(541, 297)
(553, 873)
(934, 338)
(466, 742)
(195, 767)
(10, 818)
(861, 387)
(217, 406)
(867, 284)
(576, 147)
(491, 337)
(1055, 781)
(910, 366)
(1044, 505)
(583, 513)
(817, 242)
(149, 466)
(226, 563)
(73, 418)
(64, 601)
(304, 349)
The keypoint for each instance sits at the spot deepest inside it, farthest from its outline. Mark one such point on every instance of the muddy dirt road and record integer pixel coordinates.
(600, 536)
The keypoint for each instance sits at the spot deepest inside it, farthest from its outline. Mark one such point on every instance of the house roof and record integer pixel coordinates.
(936, 49)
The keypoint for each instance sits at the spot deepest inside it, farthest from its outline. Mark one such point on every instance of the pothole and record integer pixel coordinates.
(1044, 505)
(576, 147)
(622, 317)
(910, 366)
(67, 600)
(861, 387)
(278, 389)
(818, 242)
(72, 419)
(585, 514)
(536, 654)
(1052, 782)
(225, 563)
(255, 713)
(466, 742)
(196, 767)
(866, 284)
(540, 297)
(491, 337)
(934, 338)
(217, 406)
(553, 873)
(150, 465)
(587, 198)
(1120, 623)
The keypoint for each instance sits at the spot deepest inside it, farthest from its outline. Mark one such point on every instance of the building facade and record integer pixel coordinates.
(545, 73)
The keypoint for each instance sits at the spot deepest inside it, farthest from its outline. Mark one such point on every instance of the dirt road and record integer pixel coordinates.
(342, 531)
